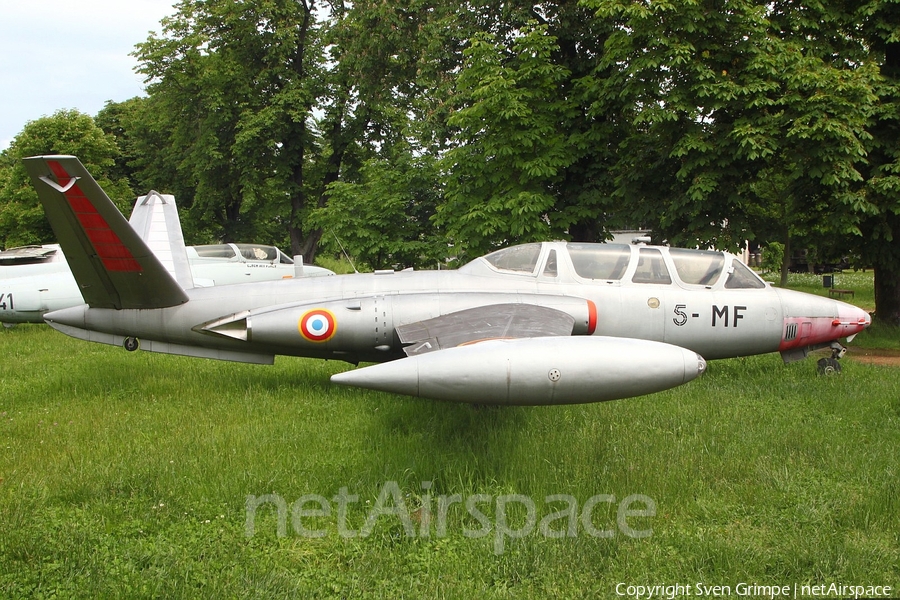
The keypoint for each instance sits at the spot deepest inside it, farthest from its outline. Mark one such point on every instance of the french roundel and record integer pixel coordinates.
(317, 325)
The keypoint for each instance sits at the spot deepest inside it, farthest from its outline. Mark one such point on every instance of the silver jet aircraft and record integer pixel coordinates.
(543, 323)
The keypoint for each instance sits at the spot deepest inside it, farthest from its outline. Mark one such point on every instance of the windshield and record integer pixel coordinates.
(215, 251)
(599, 261)
(741, 277)
(651, 268)
(521, 259)
(255, 252)
(697, 267)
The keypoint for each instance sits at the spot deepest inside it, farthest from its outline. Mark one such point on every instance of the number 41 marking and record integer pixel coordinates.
(6, 302)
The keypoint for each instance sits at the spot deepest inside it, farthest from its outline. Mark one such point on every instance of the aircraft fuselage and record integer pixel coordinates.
(355, 317)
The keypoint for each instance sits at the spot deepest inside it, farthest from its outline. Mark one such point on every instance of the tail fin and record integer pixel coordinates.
(114, 268)
(155, 219)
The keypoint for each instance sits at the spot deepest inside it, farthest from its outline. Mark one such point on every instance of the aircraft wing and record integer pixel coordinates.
(496, 321)
(26, 255)
(114, 268)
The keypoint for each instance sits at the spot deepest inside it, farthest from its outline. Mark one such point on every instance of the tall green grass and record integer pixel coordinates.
(127, 475)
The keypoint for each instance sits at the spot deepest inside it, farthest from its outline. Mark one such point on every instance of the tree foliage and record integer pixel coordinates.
(879, 216)
(22, 219)
(416, 130)
(384, 220)
(233, 84)
(728, 99)
(500, 177)
(528, 158)
(757, 116)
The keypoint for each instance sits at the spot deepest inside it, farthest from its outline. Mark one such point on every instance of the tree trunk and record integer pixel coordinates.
(887, 263)
(786, 259)
(306, 246)
(300, 244)
(585, 231)
(887, 293)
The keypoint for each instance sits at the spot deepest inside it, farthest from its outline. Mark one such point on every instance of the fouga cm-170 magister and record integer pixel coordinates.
(542, 323)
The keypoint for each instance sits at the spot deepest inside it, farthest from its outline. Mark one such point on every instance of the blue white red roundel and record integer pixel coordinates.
(317, 325)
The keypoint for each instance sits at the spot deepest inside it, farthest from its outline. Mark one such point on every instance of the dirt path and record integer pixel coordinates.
(875, 356)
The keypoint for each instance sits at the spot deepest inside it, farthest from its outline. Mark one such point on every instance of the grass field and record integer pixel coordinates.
(128, 475)
(861, 282)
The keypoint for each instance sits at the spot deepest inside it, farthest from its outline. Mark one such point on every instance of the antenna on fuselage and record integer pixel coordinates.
(347, 256)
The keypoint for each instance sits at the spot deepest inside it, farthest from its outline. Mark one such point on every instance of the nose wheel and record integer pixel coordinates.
(830, 366)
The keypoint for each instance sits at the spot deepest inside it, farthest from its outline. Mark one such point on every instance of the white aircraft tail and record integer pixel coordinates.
(155, 219)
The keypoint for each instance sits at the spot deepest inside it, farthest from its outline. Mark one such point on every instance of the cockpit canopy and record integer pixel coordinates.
(621, 263)
(242, 253)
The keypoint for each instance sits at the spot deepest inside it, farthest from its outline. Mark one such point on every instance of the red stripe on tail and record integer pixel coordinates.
(114, 255)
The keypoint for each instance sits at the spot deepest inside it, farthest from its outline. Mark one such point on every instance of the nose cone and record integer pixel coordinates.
(851, 319)
(812, 320)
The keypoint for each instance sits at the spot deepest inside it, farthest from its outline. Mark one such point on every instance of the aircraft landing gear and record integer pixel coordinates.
(131, 344)
(829, 366)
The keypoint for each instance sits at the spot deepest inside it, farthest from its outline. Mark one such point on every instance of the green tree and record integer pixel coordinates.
(384, 220)
(268, 103)
(148, 161)
(499, 175)
(385, 127)
(22, 219)
(726, 96)
(527, 160)
(879, 215)
(234, 85)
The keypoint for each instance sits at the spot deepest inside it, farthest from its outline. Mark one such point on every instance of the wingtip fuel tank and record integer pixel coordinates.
(529, 371)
